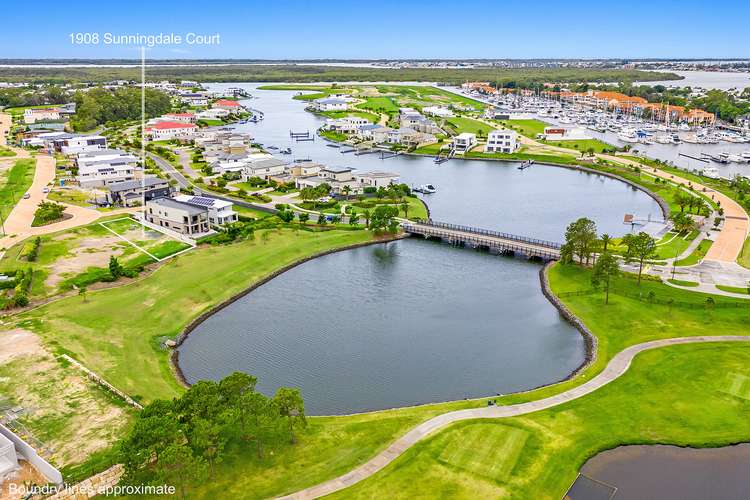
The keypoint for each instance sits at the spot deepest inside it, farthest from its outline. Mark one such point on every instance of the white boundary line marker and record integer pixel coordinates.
(143, 230)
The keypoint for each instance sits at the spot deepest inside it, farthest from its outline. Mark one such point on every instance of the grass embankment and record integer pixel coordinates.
(16, 182)
(5, 152)
(683, 282)
(528, 128)
(584, 145)
(734, 289)
(117, 332)
(462, 124)
(744, 258)
(673, 244)
(696, 255)
(688, 395)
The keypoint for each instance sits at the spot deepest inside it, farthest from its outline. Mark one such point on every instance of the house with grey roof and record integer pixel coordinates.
(134, 193)
(177, 216)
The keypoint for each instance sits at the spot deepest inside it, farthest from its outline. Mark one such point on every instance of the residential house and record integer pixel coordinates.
(376, 179)
(346, 125)
(564, 134)
(337, 177)
(373, 132)
(164, 131)
(464, 142)
(106, 166)
(501, 141)
(330, 104)
(177, 216)
(180, 117)
(413, 119)
(219, 212)
(265, 169)
(75, 143)
(33, 115)
(440, 111)
(134, 193)
(228, 105)
(212, 114)
(195, 100)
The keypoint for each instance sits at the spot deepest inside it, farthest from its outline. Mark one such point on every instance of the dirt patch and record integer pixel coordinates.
(64, 411)
(24, 476)
(18, 342)
(89, 252)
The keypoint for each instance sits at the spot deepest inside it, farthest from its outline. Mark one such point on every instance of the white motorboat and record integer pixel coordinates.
(711, 172)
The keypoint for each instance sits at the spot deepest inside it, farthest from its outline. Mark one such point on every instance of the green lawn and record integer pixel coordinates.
(378, 104)
(673, 244)
(734, 289)
(744, 258)
(16, 182)
(116, 331)
(372, 117)
(5, 152)
(697, 255)
(683, 282)
(690, 395)
(72, 196)
(583, 145)
(463, 124)
(529, 128)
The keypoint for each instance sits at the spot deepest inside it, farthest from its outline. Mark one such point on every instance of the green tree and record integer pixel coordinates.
(290, 405)
(405, 209)
(115, 268)
(367, 214)
(641, 247)
(178, 466)
(581, 236)
(606, 240)
(304, 217)
(604, 270)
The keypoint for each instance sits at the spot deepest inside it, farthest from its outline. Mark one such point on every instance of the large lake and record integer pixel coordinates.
(412, 322)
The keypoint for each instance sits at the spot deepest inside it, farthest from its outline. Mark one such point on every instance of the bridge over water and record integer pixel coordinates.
(494, 241)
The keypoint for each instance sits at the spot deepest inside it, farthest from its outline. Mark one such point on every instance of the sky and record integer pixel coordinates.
(383, 29)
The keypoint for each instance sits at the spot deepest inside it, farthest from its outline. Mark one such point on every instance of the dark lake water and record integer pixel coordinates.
(412, 322)
(672, 473)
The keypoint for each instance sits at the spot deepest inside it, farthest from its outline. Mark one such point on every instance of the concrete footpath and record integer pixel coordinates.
(616, 367)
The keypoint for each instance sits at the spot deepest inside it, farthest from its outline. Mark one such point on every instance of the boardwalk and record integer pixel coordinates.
(485, 238)
(616, 367)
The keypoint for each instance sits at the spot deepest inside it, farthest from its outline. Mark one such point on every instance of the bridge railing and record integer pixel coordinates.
(488, 241)
(495, 234)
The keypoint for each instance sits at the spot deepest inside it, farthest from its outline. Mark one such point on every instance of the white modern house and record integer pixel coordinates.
(346, 125)
(376, 179)
(196, 100)
(440, 111)
(177, 216)
(106, 166)
(464, 142)
(8, 457)
(330, 104)
(179, 117)
(220, 212)
(375, 133)
(564, 134)
(502, 141)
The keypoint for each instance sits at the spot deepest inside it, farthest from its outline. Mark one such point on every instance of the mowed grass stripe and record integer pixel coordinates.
(486, 450)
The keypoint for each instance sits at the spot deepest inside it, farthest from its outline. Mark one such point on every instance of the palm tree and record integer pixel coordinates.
(606, 240)
(405, 209)
(346, 190)
(366, 214)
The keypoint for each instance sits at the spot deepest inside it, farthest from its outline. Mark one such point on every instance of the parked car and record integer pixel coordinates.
(45, 190)
(26, 196)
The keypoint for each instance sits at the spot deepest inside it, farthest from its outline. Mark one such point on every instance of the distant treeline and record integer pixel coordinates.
(99, 106)
(297, 73)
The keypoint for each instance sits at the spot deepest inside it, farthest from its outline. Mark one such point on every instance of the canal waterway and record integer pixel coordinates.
(412, 321)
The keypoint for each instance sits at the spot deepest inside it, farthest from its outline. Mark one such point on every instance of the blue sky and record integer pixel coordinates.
(386, 29)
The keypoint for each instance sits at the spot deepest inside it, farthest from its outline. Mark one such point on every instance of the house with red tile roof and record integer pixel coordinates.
(164, 131)
(229, 105)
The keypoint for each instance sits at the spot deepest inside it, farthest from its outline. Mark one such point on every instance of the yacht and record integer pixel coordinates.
(628, 135)
(720, 158)
(711, 172)
(745, 155)
(664, 139)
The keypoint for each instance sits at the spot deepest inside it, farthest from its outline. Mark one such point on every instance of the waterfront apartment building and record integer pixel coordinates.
(502, 141)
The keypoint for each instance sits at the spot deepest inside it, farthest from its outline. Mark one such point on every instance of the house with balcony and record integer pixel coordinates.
(165, 131)
(501, 141)
(177, 216)
(464, 142)
(135, 193)
(102, 167)
(330, 104)
(219, 212)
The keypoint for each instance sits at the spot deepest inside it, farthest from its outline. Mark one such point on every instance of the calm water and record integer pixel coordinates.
(672, 473)
(391, 325)
(412, 322)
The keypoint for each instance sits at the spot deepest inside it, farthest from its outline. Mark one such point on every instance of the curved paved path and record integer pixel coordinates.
(616, 367)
